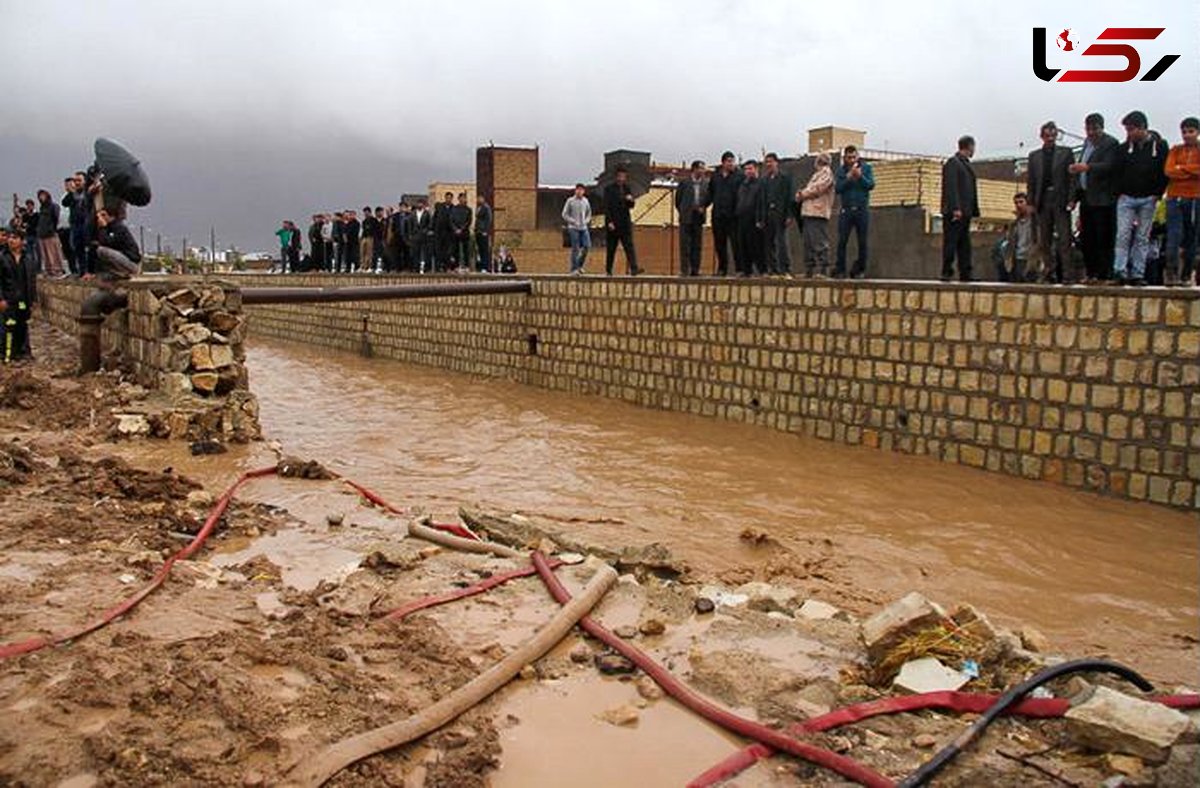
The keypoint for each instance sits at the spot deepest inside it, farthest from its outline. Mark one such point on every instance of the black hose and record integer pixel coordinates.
(951, 750)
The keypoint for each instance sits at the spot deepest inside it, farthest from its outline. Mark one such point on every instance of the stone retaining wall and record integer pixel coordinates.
(1093, 388)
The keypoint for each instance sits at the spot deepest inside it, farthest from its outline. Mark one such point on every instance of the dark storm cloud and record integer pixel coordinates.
(248, 112)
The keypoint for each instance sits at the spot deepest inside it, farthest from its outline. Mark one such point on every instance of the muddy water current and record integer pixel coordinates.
(1096, 575)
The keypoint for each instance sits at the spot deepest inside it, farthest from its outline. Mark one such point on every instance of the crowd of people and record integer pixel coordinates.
(452, 236)
(82, 234)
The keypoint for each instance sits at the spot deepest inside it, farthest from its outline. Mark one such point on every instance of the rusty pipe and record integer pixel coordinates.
(91, 317)
(309, 295)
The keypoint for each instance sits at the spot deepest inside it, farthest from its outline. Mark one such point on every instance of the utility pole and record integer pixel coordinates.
(212, 245)
(142, 237)
(158, 244)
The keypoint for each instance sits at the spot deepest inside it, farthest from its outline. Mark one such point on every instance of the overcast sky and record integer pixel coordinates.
(246, 111)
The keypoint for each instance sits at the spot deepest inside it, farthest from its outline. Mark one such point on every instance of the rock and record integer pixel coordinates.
(625, 632)
(253, 779)
(887, 628)
(1033, 640)
(613, 664)
(570, 559)
(622, 716)
(924, 741)
(1124, 764)
(221, 356)
(335, 519)
(183, 299)
(529, 673)
(132, 424)
(973, 622)
(628, 580)
(382, 555)
(816, 610)
(337, 653)
(176, 384)
(223, 322)
(200, 499)
(928, 675)
(207, 447)
(652, 626)
(202, 358)
(581, 654)
(194, 333)
(272, 607)
(1182, 766)
(1112, 722)
(648, 689)
(703, 605)
(767, 598)
(205, 382)
(456, 738)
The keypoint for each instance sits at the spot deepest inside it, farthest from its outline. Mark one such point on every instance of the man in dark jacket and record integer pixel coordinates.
(853, 182)
(960, 203)
(1141, 180)
(370, 234)
(117, 253)
(723, 192)
(691, 201)
(483, 233)
(1050, 188)
(17, 294)
(460, 224)
(49, 247)
(78, 212)
(779, 194)
(423, 238)
(351, 235)
(751, 212)
(316, 243)
(443, 232)
(1095, 192)
(336, 233)
(618, 222)
(293, 248)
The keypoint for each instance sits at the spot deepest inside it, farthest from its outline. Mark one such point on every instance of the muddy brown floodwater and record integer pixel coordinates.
(1096, 575)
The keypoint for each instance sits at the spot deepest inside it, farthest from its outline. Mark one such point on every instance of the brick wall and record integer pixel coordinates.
(1097, 388)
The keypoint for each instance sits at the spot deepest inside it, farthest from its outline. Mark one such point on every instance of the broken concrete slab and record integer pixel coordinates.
(816, 610)
(891, 625)
(928, 674)
(1109, 721)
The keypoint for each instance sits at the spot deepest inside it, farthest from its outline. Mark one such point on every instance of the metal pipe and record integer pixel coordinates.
(308, 295)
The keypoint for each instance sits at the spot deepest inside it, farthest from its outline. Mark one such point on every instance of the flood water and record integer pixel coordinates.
(1096, 575)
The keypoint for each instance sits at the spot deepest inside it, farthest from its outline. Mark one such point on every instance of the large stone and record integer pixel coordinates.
(1105, 720)
(767, 598)
(816, 610)
(176, 384)
(223, 322)
(202, 358)
(928, 675)
(132, 424)
(205, 382)
(221, 355)
(887, 628)
(194, 333)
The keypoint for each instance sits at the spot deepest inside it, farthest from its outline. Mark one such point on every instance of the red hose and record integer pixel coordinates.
(705, 708)
(34, 644)
(377, 499)
(962, 702)
(408, 608)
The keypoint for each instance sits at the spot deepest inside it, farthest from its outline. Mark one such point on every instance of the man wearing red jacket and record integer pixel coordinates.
(1183, 202)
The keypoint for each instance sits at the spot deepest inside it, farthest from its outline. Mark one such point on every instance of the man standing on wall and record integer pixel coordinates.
(723, 191)
(1096, 196)
(816, 206)
(1140, 182)
(483, 234)
(691, 200)
(960, 204)
(460, 224)
(1183, 203)
(780, 197)
(316, 243)
(618, 201)
(366, 246)
(336, 235)
(285, 239)
(1049, 188)
(751, 211)
(853, 182)
(351, 231)
(577, 215)
(423, 238)
(443, 233)
(401, 226)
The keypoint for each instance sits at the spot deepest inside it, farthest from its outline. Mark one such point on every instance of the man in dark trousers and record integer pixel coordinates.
(1050, 188)
(423, 237)
(751, 212)
(294, 248)
(351, 234)
(483, 233)
(399, 238)
(618, 222)
(460, 224)
(443, 233)
(18, 274)
(960, 203)
(692, 198)
(853, 183)
(366, 246)
(723, 191)
(780, 197)
(1095, 192)
(316, 243)
(336, 235)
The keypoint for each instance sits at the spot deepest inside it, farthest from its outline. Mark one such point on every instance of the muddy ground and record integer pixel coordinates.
(239, 665)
